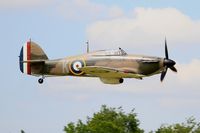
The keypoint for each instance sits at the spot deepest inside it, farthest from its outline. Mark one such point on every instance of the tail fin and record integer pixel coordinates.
(30, 52)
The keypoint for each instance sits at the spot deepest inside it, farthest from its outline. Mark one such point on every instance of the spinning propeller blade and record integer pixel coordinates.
(168, 63)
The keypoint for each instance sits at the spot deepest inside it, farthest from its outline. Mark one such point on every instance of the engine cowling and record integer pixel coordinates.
(112, 80)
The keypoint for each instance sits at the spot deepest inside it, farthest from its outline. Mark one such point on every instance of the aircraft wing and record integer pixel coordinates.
(100, 71)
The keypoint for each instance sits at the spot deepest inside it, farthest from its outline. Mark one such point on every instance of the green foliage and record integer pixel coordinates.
(22, 131)
(114, 120)
(107, 120)
(191, 126)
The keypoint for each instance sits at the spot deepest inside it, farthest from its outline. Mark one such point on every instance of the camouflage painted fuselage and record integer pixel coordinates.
(111, 66)
(141, 66)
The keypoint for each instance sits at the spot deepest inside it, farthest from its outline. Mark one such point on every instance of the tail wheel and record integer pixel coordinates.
(40, 81)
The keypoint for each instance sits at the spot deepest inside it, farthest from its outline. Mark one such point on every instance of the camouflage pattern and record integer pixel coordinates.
(106, 64)
(143, 65)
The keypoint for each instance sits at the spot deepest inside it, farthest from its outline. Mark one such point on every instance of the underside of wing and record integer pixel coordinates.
(108, 72)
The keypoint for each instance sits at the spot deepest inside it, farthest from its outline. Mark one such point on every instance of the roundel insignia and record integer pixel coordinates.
(75, 66)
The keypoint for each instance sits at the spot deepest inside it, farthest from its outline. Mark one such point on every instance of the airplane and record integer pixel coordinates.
(110, 66)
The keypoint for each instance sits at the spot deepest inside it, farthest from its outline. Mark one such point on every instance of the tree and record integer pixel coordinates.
(191, 126)
(22, 131)
(107, 120)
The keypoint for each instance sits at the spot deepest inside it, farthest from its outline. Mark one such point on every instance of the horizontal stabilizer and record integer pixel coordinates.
(33, 61)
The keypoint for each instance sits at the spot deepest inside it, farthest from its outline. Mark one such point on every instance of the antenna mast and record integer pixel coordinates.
(88, 46)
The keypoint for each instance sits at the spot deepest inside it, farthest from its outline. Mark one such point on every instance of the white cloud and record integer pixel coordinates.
(190, 73)
(88, 10)
(115, 12)
(80, 9)
(145, 28)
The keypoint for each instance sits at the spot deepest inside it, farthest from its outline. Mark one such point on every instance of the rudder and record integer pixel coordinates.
(30, 52)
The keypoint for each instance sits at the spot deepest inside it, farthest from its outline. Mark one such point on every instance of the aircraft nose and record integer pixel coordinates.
(169, 63)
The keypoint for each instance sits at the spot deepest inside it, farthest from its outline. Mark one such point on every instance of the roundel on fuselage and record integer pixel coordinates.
(75, 66)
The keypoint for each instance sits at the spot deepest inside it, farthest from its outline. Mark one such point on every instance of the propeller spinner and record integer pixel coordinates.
(168, 63)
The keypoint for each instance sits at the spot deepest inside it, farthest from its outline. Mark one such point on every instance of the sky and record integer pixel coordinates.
(62, 27)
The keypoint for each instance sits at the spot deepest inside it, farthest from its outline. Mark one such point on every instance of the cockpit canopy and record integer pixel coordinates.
(119, 52)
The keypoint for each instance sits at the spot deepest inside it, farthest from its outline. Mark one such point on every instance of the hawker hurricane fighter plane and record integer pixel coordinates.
(110, 66)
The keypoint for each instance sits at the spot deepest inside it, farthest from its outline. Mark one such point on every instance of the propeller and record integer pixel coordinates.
(168, 63)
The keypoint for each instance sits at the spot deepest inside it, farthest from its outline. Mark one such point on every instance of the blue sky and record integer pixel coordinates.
(62, 27)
